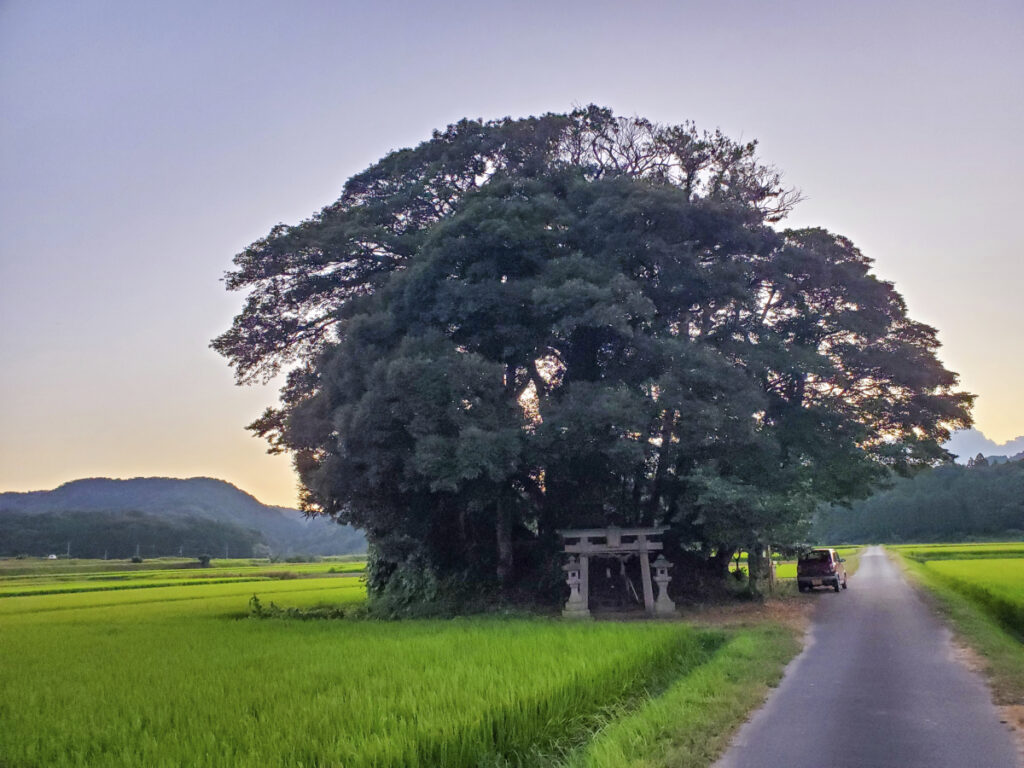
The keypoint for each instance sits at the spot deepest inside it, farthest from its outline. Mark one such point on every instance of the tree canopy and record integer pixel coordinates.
(526, 325)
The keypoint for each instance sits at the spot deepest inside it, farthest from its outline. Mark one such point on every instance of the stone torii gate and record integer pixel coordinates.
(582, 544)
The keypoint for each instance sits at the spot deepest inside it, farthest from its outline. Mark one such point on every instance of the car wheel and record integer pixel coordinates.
(836, 585)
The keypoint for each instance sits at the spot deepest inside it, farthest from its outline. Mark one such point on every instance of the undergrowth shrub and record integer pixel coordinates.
(273, 611)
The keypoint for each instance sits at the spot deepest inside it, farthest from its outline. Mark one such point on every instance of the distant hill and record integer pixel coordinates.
(164, 514)
(1004, 459)
(968, 443)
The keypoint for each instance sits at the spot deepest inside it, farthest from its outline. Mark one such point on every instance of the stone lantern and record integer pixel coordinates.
(663, 606)
(576, 607)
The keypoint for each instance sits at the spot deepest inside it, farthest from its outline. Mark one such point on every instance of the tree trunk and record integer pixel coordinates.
(719, 562)
(668, 420)
(503, 535)
(755, 569)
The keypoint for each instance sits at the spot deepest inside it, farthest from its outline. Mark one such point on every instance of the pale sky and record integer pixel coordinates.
(143, 144)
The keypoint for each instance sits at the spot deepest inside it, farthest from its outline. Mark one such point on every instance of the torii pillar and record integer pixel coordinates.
(587, 542)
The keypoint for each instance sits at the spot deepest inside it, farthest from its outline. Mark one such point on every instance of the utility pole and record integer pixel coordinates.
(69, 550)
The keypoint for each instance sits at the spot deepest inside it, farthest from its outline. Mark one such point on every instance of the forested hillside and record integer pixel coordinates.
(162, 516)
(122, 535)
(949, 503)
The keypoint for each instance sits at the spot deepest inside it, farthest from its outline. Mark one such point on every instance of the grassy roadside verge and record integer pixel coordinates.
(691, 723)
(1001, 656)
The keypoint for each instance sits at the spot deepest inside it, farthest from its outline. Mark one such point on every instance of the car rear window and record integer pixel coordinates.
(815, 556)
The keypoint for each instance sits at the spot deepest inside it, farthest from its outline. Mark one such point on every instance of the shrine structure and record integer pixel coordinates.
(621, 543)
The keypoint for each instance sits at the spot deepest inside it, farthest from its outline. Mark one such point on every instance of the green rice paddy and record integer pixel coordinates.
(55, 581)
(982, 573)
(164, 667)
(932, 552)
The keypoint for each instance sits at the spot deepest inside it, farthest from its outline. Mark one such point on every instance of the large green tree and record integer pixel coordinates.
(573, 320)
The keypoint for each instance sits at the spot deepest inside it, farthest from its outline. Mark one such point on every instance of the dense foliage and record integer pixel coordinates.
(521, 326)
(950, 503)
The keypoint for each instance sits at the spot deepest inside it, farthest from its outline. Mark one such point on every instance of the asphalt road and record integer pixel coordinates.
(878, 685)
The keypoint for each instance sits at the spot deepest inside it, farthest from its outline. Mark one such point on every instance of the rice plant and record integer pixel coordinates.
(173, 675)
(997, 585)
